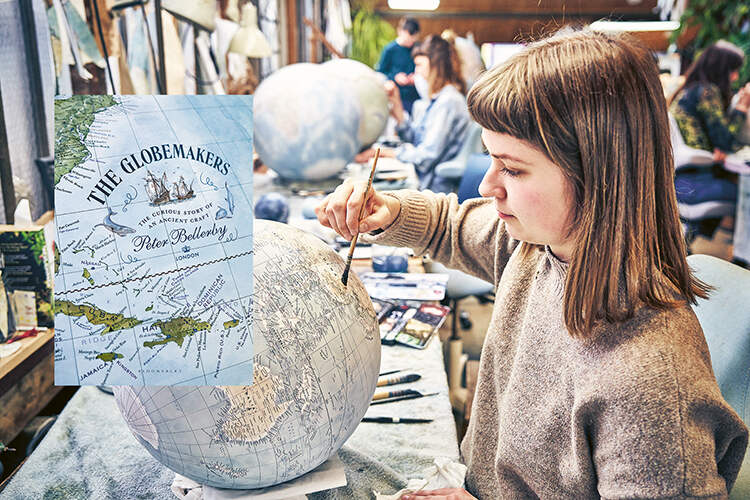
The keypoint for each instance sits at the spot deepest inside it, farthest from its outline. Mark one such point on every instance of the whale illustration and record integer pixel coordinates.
(225, 213)
(113, 227)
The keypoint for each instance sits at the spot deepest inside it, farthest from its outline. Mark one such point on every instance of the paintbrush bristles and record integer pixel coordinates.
(345, 276)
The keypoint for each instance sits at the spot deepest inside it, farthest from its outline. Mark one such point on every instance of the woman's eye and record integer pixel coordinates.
(507, 171)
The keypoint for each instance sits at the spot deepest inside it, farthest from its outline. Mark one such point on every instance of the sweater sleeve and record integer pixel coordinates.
(658, 426)
(405, 130)
(722, 129)
(468, 237)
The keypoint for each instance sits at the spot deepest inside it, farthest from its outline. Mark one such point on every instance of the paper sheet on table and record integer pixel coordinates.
(330, 474)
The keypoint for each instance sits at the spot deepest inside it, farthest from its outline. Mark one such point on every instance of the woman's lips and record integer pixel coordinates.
(504, 216)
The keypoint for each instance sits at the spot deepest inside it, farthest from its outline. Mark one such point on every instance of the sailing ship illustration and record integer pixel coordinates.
(158, 193)
(181, 191)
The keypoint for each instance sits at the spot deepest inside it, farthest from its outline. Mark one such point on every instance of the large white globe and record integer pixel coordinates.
(306, 122)
(368, 85)
(316, 362)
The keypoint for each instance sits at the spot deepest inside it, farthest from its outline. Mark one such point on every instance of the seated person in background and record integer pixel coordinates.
(440, 121)
(595, 379)
(700, 108)
(701, 105)
(396, 61)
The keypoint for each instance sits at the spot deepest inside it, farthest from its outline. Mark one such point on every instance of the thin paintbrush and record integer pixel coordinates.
(345, 276)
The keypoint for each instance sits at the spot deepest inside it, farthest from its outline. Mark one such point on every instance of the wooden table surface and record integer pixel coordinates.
(26, 383)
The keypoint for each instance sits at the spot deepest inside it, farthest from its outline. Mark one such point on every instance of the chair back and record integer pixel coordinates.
(725, 319)
(476, 166)
(455, 167)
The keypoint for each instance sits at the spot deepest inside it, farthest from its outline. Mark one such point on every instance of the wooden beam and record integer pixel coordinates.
(317, 34)
(292, 31)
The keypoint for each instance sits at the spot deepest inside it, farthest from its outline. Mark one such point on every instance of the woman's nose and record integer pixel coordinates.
(492, 184)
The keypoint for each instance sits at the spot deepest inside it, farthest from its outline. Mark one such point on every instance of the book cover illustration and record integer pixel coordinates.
(25, 264)
(153, 254)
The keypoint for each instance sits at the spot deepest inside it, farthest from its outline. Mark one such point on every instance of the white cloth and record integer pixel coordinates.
(444, 474)
(338, 23)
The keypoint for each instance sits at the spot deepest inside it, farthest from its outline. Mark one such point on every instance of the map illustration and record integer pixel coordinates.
(316, 363)
(153, 212)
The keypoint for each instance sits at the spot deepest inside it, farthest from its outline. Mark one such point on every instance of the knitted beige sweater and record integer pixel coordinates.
(635, 414)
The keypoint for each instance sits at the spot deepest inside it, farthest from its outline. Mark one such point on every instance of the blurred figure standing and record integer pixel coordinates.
(396, 61)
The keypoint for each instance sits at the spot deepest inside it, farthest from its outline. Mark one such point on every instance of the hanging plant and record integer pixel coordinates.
(727, 20)
(370, 34)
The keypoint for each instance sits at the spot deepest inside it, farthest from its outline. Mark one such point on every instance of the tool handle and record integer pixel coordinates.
(399, 398)
(412, 377)
(393, 394)
(345, 275)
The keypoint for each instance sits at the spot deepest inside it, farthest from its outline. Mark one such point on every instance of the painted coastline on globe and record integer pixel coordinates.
(153, 196)
(317, 359)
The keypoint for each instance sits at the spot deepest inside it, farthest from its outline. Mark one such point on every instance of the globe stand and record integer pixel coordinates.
(327, 476)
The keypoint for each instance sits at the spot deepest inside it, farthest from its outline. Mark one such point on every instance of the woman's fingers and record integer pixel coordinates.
(354, 206)
(320, 211)
(340, 210)
(441, 494)
(378, 219)
(338, 207)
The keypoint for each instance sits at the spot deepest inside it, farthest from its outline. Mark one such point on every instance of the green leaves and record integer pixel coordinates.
(370, 33)
(728, 20)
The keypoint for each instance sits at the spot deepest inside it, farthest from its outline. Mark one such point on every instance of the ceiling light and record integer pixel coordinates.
(413, 4)
(630, 26)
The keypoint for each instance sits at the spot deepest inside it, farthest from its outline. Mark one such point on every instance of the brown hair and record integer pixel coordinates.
(445, 67)
(714, 65)
(409, 24)
(593, 104)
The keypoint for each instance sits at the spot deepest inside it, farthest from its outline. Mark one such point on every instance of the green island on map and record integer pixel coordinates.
(73, 118)
(176, 329)
(109, 356)
(57, 257)
(231, 324)
(79, 250)
(96, 316)
(87, 275)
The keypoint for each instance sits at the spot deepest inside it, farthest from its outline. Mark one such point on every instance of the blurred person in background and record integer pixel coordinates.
(396, 61)
(701, 109)
(439, 122)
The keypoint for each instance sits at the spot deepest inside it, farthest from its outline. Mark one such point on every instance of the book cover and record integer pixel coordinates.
(25, 269)
(154, 246)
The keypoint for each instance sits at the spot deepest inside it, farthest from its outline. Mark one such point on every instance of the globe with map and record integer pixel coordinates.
(316, 363)
(306, 122)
